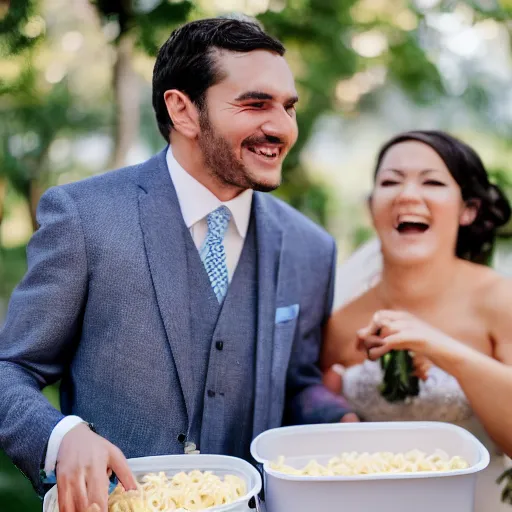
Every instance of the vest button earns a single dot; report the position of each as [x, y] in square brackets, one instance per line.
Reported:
[219, 345]
[181, 438]
[211, 393]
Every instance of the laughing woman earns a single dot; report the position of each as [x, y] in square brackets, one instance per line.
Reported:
[436, 214]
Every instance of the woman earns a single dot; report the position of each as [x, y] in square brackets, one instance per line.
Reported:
[436, 215]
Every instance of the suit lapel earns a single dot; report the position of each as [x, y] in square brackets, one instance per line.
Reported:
[164, 237]
[269, 241]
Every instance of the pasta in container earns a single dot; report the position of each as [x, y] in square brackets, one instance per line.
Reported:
[184, 483]
[355, 464]
[181, 492]
[354, 467]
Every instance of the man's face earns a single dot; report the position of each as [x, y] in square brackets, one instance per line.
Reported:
[248, 124]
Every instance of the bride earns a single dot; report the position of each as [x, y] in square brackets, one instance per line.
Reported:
[436, 214]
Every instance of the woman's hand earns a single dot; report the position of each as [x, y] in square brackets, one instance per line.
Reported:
[421, 365]
[399, 330]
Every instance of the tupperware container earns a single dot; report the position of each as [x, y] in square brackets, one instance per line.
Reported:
[448, 491]
[220, 465]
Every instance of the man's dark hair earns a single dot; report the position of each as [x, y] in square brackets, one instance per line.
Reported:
[187, 62]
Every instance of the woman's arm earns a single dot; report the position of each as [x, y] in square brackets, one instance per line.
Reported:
[486, 382]
[340, 343]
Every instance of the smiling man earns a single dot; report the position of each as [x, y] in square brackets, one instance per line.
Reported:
[181, 306]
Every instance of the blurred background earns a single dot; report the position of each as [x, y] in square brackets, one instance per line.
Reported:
[75, 100]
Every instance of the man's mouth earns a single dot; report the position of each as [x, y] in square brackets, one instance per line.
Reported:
[266, 151]
[411, 224]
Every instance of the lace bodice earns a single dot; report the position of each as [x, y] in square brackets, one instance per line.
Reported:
[440, 397]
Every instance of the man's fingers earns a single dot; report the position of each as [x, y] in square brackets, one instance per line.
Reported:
[80, 494]
[94, 508]
[65, 493]
[97, 489]
[120, 467]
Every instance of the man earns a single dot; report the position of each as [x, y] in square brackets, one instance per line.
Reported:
[180, 306]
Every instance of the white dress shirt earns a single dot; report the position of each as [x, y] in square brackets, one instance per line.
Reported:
[196, 202]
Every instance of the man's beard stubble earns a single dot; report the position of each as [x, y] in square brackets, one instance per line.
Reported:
[219, 158]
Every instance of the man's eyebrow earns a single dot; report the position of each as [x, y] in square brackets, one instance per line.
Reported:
[254, 95]
[264, 96]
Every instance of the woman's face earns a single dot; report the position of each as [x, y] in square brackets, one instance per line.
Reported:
[416, 204]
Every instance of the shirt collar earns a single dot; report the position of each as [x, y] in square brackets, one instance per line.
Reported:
[196, 201]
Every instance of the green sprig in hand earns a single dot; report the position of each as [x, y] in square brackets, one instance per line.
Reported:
[391, 337]
[399, 380]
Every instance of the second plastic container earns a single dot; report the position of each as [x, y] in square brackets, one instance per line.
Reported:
[451, 491]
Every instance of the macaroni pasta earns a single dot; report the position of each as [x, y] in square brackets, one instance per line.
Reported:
[182, 492]
[354, 464]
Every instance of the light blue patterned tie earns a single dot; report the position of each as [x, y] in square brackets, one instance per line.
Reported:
[214, 254]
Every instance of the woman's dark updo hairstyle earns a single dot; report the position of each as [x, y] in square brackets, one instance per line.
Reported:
[474, 242]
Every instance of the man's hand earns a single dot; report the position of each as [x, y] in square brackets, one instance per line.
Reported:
[84, 462]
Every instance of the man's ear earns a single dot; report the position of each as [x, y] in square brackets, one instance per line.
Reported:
[469, 212]
[183, 113]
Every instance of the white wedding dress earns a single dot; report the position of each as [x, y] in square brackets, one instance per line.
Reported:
[440, 397]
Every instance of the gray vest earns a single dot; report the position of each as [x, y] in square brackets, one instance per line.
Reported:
[223, 412]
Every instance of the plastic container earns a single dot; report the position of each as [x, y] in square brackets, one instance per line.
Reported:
[450, 491]
[220, 465]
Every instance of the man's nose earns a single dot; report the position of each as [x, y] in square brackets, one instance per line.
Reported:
[279, 124]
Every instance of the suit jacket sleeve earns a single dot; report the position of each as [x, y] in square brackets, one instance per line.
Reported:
[37, 340]
[308, 401]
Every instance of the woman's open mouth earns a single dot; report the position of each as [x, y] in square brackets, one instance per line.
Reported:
[411, 225]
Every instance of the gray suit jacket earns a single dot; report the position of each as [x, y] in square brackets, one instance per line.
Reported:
[104, 307]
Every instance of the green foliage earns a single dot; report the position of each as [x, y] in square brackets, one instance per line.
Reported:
[154, 27]
[33, 120]
[16, 493]
[151, 27]
[13, 264]
[13, 38]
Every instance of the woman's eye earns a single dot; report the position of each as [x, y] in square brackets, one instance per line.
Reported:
[388, 183]
[434, 183]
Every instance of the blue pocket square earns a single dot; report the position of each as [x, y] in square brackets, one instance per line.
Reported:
[287, 313]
